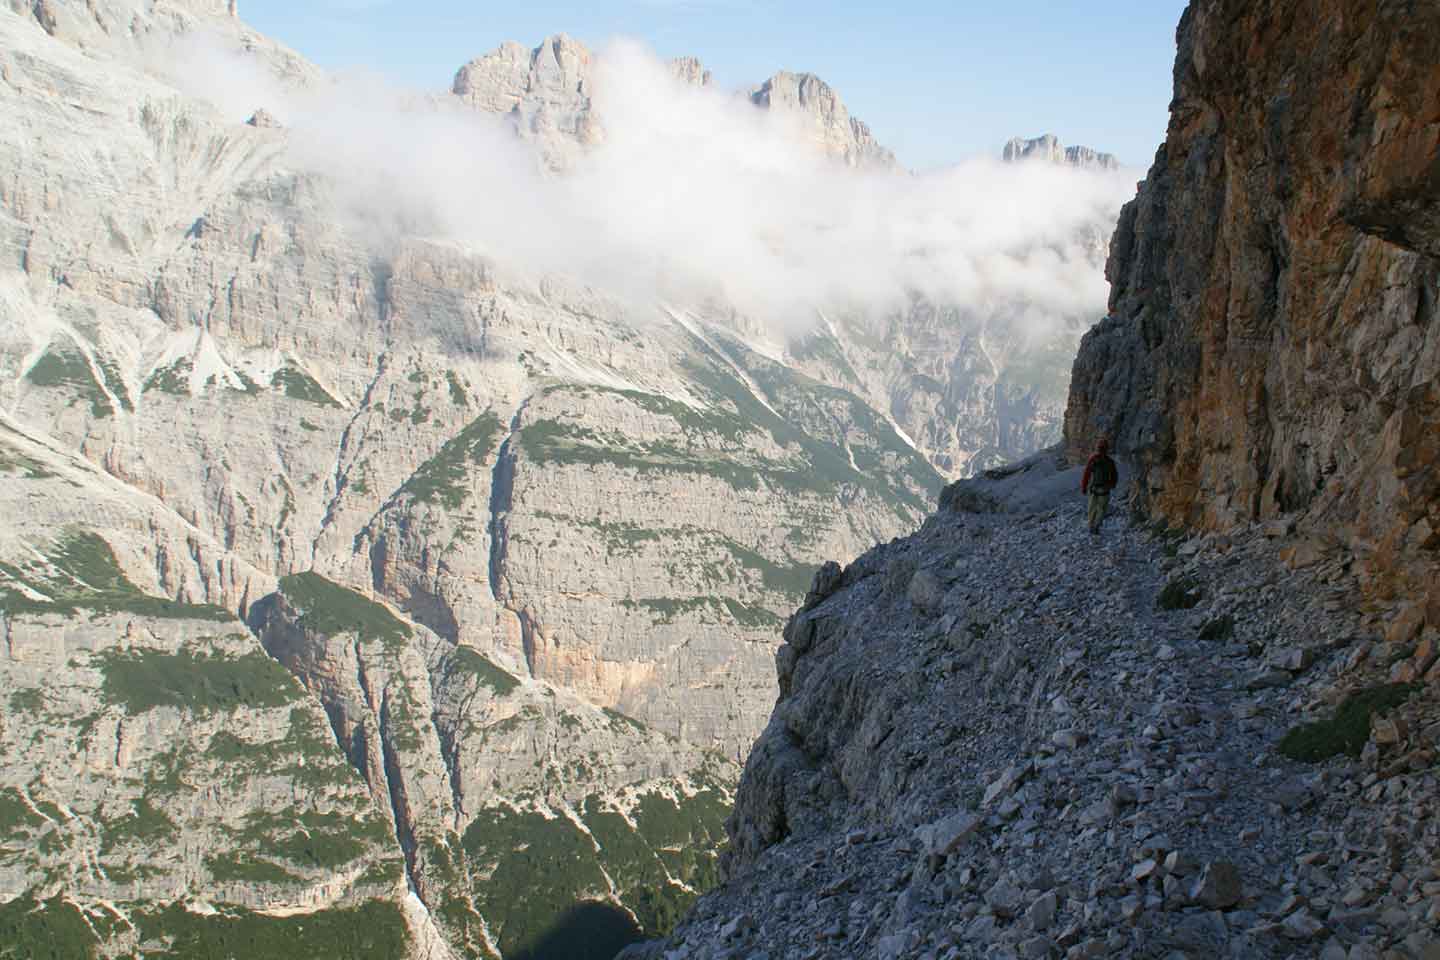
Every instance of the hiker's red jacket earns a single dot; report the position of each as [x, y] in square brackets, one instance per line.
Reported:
[1113, 473]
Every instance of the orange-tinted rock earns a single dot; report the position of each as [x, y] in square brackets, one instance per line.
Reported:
[1405, 625]
[1274, 340]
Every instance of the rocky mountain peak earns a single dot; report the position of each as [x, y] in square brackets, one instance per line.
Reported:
[546, 91]
[1049, 149]
[690, 70]
[828, 122]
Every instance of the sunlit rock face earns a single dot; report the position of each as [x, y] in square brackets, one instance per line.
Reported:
[428, 550]
[1274, 350]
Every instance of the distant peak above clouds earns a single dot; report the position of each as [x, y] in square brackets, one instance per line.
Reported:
[837, 133]
[1048, 148]
[547, 93]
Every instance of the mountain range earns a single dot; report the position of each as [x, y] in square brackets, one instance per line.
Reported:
[365, 594]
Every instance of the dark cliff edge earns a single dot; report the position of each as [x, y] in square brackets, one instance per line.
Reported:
[1213, 730]
[1273, 349]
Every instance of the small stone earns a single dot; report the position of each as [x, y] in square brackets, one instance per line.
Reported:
[1293, 659]
[1219, 886]
[1427, 652]
[1406, 625]
[896, 946]
[1004, 899]
[944, 837]
[1267, 679]
[1248, 835]
[1289, 905]
[1036, 948]
[1066, 739]
[1302, 926]
[1143, 871]
[738, 927]
[926, 592]
[1386, 732]
[1042, 912]
[1334, 950]
[1404, 672]
[1131, 907]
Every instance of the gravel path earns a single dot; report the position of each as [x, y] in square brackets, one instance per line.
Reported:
[996, 742]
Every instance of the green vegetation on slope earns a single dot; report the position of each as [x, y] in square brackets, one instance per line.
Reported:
[467, 660]
[174, 379]
[50, 930]
[808, 415]
[666, 610]
[538, 872]
[81, 572]
[373, 931]
[718, 441]
[329, 609]
[1348, 728]
[299, 385]
[309, 839]
[67, 369]
[141, 680]
[443, 478]
[541, 868]
[57, 929]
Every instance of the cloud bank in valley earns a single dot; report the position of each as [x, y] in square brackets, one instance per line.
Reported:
[693, 192]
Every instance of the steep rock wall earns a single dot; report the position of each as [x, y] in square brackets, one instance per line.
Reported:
[1273, 347]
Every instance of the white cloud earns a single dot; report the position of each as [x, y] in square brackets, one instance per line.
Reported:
[695, 193]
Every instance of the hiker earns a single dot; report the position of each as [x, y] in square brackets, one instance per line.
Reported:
[1101, 476]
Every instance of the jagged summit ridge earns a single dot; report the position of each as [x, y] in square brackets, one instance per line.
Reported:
[547, 91]
[1049, 149]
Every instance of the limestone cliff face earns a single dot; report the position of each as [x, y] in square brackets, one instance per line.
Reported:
[1274, 345]
[577, 527]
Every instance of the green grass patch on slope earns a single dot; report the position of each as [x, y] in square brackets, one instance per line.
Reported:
[52, 929]
[537, 869]
[173, 379]
[329, 609]
[81, 572]
[804, 415]
[718, 441]
[142, 680]
[66, 369]
[309, 839]
[16, 817]
[444, 477]
[467, 660]
[374, 930]
[1348, 728]
[299, 385]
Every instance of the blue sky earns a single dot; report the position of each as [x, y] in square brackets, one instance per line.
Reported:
[936, 81]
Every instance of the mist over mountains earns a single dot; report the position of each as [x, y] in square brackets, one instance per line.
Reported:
[634, 177]
[404, 491]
